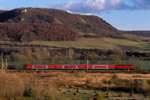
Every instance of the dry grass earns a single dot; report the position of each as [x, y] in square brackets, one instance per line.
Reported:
[95, 80]
[12, 85]
[45, 83]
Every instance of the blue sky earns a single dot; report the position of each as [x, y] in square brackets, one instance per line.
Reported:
[122, 14]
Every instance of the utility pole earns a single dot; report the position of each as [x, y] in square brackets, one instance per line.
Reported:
[6, 64]
[2, 64]
[2, 61]
[87, 64]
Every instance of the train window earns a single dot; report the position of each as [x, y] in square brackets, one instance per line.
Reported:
[58, 66]
[98, 66]
[70, 66]
[51, 66]
[82, 66]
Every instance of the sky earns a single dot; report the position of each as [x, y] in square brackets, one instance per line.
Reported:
[122, 14]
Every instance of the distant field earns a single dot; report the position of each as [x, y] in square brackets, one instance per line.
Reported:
[88, 43]
[97, 43]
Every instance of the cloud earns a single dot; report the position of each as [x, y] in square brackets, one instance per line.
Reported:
[141, 4]
[91, 6]
[97, 6]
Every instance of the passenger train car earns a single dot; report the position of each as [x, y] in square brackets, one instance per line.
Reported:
[79, 67]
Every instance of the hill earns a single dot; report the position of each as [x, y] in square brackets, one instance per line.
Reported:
[29, 24]
[139, 33]
[35, 34]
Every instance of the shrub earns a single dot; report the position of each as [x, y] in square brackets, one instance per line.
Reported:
[137, 63]
[114, 76]
[97, 96]
[145, 86]
[30, 92]
[93, 56]
[88, 82]
[120, 94]
[108, 95]
[114, 59]
[142, 86]
[131, 93]
[18, 57]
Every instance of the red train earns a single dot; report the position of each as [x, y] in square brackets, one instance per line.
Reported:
[79, 66]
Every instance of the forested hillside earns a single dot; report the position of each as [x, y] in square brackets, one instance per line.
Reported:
[29, 24]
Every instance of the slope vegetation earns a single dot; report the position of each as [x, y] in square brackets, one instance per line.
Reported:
[29, 24]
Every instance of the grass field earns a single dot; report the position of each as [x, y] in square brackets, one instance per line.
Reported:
[58, 85]
[88, 43]
[97, 43]
[107, 43]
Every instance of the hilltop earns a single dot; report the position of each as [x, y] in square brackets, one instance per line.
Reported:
[29, 24]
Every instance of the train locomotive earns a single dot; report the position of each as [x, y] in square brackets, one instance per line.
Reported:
[78, 67]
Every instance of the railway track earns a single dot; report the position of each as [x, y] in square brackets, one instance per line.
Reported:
[87, 71]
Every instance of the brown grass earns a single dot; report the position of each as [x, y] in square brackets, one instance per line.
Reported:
[79, 78]
[11, 86]
[45, 83]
